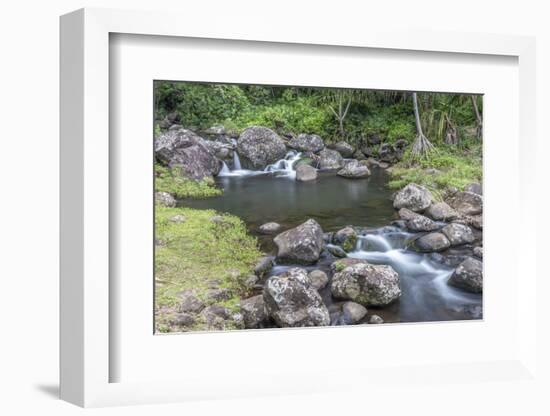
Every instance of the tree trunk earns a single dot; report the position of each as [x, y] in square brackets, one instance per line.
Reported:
[421, 146]
[479, 120]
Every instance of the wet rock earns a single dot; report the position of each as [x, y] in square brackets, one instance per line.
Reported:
[414, 197]
[431, 242]
[466, 203]
[259, 147]
[474, 188]
[186, 152]
[254, 312]
[353, 312]
[270, 228]
[263, 266]
[302, 244]
[478, 252]
[189, 302]
[344, 148]
[336, 251]
[341, 264]
[354, 170]
[367, 284]
[376, 320]
[345, 238]
[330, 159]
[458, 234]
[327, 237]
[416, 222]
[318, 279]
[305, 173]
[441, 211]
[292, 301]
[220, 150]
[165, 199]
[468, 276]
[307, 143]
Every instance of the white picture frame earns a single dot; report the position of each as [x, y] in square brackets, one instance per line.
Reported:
[86, 264]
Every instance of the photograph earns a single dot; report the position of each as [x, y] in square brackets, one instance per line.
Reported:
[291, 206]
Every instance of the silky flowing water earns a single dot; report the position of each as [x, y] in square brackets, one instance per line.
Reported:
[335, 202]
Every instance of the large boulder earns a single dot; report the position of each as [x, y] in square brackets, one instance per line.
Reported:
[367, 284]
[259, 147]
[344, 148]
[468, 276]
[345, 238]
[292, 301]
[254, 312]
[305, 173]
[330, 159]
[188, 152]
[458, 234]
[414, 197]
[441, 211]
[416, 222]
[466, 203]
[431, 242]
[354, 170]
[307, 143]
[302, 244]
[341, 264]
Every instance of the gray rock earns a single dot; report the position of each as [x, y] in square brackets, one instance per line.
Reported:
[217, 295]
[305, 173]
[478, 252]
[458, 234]
[215, 131]
[474, 188]
[177, 219]
[292, 301]
[353, 312]
[341, 264]
[183, 320]
[270, 228]
[387, 153]
[186, 152]
[307, 143]
[259, 147]
[468, 276]
[466, 203]
[416, 222]
[263, 266]
[376, 320]
[302, 244]
[165, 199]
[359, 155]
[345, 238]
[354, 170]
[374, 138]
[251, 281]
[215, 316]
[336, 251]
[318, 279]
[344, 148]
[369, 151]
[330, 159]
[401, 144]
[431, 242]
[414, 197]
[367, 284]
[189, 302]
[254, 312]
[441, 211]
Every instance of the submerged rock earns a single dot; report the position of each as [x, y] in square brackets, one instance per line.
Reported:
[305, 173]
[414, 197]
[354, 170]
[441, 211]
[353, 312]
[270, 228]
[458, 234]
[345, 238]
[165, 199]
[254, 312]
[367, 284]
[431, 242]
[302, 244]
[330, 159]
[468, 276]
[292, 301]
[307, 143]
[466, 203]
[259, 147]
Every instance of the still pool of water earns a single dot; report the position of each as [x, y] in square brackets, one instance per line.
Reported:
[335, 202]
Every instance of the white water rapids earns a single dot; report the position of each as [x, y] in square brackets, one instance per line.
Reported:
[283, 167]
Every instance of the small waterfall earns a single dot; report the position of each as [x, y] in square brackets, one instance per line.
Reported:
[224, 171]
[283, 167]
[236, 161]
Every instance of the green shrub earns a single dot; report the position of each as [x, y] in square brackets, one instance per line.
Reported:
[171, 181]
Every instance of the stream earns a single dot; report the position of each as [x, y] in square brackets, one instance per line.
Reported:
[334, 202]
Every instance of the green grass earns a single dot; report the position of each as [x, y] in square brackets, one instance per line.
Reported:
[456, 167]
[200, 254]
[171, 181]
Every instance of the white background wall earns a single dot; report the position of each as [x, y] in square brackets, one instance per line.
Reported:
[29, 114]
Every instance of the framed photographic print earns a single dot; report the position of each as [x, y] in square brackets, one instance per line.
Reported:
[239, 208]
